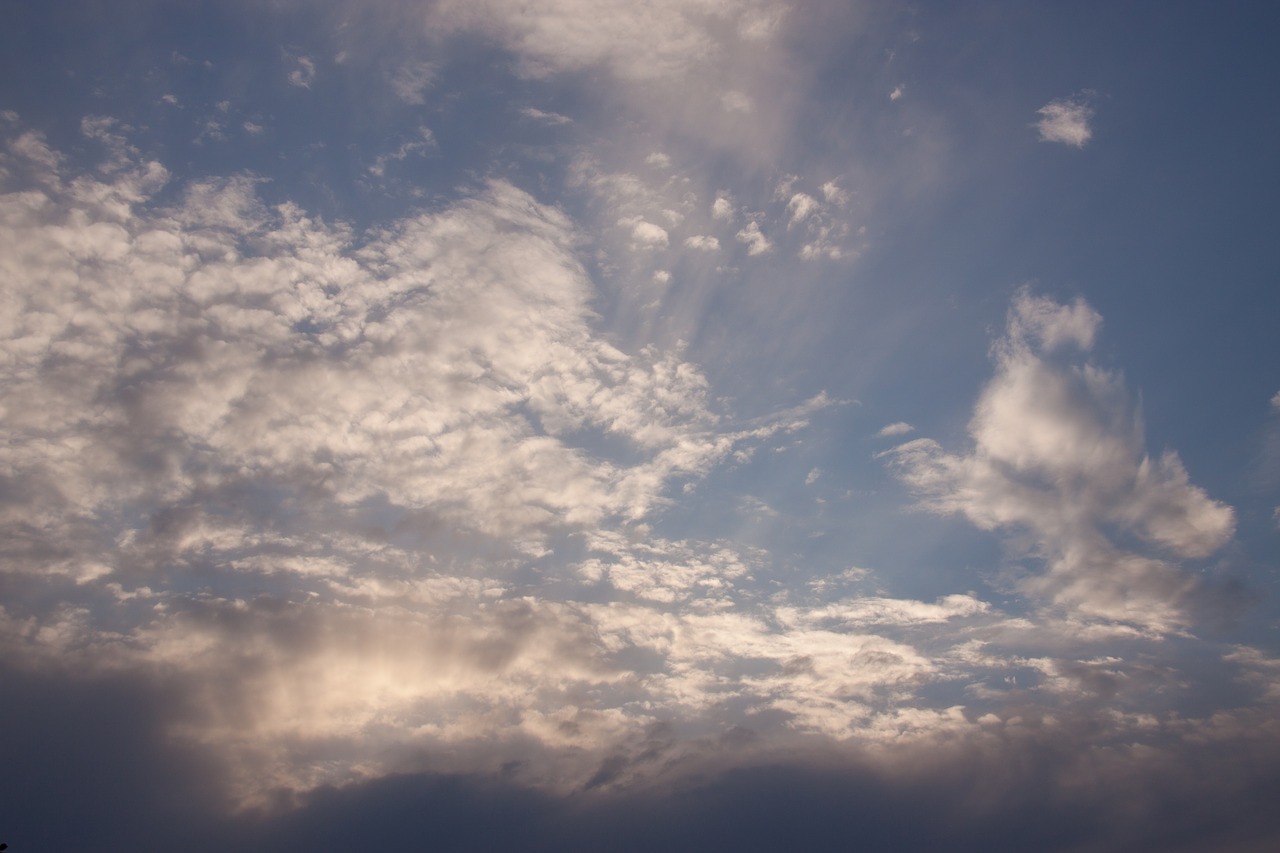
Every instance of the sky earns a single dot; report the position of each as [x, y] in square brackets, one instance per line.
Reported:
[682, 425]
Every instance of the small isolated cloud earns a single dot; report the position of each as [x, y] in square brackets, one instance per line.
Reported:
[722, 208]
[252, 129]
[303, 74]
[1066, 120]
[645, 234]
[171, 100]
[658, 160]
[899, 428]
[1275, 402]
[544, 116]
[813, 476]
[897, 92]
[756, 243]
[703, 243]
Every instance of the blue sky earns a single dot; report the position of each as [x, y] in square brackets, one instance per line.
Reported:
[565, 424]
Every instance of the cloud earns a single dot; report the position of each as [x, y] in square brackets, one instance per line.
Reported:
[646, 234]
[303, 75]
[834, 194]
[661, 40]
[753, 239]
[899, 428]
[702, 243]
[545, 117]
[1058, 452]
[1066, 120]
[722, 208]
[898, 92]
[801, 207]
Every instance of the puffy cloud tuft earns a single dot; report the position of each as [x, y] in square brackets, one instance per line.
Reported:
[1066, 120]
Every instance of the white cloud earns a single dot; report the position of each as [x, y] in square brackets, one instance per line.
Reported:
[755, 241]
[636, 43]
[834, 194]
[1275, 402]
[545, 117]
[1058, 451]
[898, 92]
[658, 160]
[423, 143]
[703, 243]
[722, 208]
[899, 428]
[303, 75]
[645, 234]
[812, 476]
[864, 612]
[1066, 120]
[801, 207]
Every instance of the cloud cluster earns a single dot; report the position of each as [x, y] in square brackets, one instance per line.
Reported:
[352, 504]
[1058, 455]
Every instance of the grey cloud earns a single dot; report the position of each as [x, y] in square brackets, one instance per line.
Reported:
[1029, 787]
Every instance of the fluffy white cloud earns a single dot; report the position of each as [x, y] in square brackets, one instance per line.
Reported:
[754, 239]
[801, 207]
[1066, 120]
[702, 243]
[646, 234]
[899, 428]
[1058, 451]
[835, 194]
